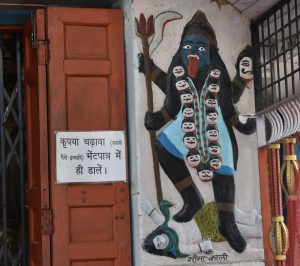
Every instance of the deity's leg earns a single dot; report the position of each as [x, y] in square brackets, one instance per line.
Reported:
[224, 192]
[178, 173]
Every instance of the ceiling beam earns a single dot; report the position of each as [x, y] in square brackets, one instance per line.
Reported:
[75, 3]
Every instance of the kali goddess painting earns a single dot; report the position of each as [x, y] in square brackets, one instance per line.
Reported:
[196, 125]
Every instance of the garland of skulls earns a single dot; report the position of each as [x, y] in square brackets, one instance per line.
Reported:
[200, 120]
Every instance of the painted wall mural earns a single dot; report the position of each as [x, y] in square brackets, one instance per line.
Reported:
[194, 130]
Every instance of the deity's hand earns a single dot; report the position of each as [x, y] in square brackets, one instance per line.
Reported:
[146, 206]
[246, 124]
[154, 121]
[206, 245]
[243, 118]
[141, 63]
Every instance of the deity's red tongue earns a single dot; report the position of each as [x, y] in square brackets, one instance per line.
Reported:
[193, 65]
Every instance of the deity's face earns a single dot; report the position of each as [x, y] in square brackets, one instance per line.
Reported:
[195, 47]
[215, 164]
[214, 150]
[212, 118]
[188, 112]
[211, 103]
[188, 127]
[246, 68]
[194, 160]
[205, 175]
[212, 135]
[190, 142]
[161, 241]
[182, 85]
[178, 71]
[186, 98]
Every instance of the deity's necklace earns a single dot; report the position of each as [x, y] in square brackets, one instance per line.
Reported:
[203, 126]
[200, 133]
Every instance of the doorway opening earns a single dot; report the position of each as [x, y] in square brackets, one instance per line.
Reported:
[13, 225]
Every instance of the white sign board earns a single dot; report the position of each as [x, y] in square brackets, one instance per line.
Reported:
[98, 156]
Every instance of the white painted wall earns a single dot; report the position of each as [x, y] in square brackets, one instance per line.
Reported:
[233, 33]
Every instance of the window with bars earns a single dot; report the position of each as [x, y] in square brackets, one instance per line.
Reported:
[276, 37]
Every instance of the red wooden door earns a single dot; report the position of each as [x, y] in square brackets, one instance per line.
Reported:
[37, 142]
[86, 92]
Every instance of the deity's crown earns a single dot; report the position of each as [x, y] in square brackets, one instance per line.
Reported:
[200, 25]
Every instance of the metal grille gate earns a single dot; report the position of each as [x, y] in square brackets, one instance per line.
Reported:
[13, 243]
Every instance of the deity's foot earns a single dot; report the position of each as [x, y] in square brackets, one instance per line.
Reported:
[192, 203]
[229, 230]
[186, 213]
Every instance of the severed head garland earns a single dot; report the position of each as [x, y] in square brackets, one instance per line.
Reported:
[200, 119]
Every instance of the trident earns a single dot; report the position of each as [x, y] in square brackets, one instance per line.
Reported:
[144, 30]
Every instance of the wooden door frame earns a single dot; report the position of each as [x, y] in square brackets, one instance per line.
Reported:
[42, 128]
[41, 253]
